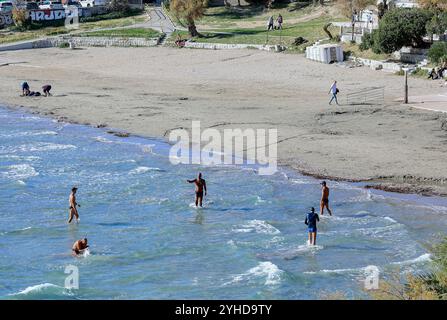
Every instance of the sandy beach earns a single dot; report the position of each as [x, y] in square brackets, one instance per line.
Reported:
[151, 91]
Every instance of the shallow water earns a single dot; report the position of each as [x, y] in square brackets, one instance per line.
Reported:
[148, 242]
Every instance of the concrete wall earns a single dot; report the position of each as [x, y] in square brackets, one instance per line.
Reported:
[224, 46]
[103, 42]
[81, 42]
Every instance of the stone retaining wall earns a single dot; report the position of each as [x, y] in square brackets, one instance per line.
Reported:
[381, 65]
[224, 46]
[81, 42]
[103, 42]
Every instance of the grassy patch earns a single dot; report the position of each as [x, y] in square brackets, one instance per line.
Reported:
[12, 35]
[124, 33]
[311, 30]
[353, 49]
[222, 17]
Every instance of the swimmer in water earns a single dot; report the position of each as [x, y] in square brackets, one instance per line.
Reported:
[79, 246]
[311, 222]
[73, 205]
[324, 199]
[200, 187]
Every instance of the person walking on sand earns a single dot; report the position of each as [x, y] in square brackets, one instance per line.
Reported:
[279, 21]
[46, 90]
[334, 91]
[79, 246]
[73, 205]
[270, 23]
[200, 187]
[311, 222]
[324, 199]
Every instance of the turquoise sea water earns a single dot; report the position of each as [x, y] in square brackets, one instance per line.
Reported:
[148, 242]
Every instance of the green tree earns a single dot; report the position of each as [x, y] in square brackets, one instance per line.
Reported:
[401, 27]
[433, 4]
[438, 52]
[189, 11]
[438, 23]
[119, 5]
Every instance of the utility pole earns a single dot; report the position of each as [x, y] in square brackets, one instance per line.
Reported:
[406, 86]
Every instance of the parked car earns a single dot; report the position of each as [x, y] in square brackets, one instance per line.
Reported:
[6, 6]
[71, 3]
[51, 5]
[87, 3]
[92, 3]
[29, 6]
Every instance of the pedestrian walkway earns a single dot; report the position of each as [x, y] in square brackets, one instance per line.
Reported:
[436, 102]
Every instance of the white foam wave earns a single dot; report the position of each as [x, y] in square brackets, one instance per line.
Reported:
[19, 158]
[258, 226]
[142, 169]
[19, 172]
[390, 219]
[360, 270]
[264, 270]
[422, 258]
[29, 133]
[37, 147]
[41, 288]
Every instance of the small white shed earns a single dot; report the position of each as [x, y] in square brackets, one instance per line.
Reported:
[326, 53]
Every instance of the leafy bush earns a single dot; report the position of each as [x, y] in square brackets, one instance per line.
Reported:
[401, 27]
[438, 23]
[438, 52]
[111, 15]
[367, 41]
[119, 5]
[19, 17]
[428, 286]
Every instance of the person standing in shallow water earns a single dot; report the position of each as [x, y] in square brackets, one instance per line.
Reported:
[324, 198]
[311, 222]
[73, 205]
[200, 187]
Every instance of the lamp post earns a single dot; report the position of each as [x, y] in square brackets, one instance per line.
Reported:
[406, 85]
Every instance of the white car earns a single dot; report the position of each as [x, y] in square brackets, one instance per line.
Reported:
[6, 6]
[51, 5]
[92, 3]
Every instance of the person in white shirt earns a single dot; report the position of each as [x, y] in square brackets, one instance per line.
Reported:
[334, 91]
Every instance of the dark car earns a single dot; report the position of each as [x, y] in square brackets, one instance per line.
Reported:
[28, 6]
[32, 6]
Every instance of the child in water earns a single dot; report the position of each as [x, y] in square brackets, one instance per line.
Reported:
[311, 222]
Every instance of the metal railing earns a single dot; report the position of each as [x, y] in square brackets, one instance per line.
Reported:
[374, 95]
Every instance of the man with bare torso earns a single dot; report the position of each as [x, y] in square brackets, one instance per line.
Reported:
[200, 187]
[79, 246]
[324, 198]
[73, 205]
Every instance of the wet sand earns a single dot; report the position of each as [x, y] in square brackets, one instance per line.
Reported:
[150, 91]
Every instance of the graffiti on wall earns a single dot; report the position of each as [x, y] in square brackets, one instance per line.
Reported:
[50, 15]
[5, 19]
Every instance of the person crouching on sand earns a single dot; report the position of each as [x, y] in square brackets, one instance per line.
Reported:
[79, 246]
[25, 88]
[46, 90]
[200, 186]
[311, 222]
